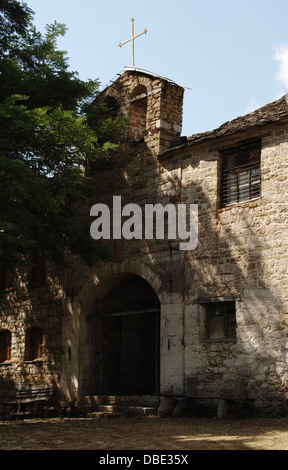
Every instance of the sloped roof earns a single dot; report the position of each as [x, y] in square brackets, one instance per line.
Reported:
[272, 112]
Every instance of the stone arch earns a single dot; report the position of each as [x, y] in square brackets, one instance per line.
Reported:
[100, 334]
[138, 113]
[104, 280]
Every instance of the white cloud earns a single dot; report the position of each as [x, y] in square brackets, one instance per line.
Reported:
[281, 56]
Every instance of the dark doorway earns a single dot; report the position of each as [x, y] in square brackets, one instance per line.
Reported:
[127, 343]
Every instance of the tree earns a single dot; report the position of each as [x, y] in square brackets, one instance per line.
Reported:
[46, 139]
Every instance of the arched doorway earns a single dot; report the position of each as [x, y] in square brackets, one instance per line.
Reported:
[127, 322]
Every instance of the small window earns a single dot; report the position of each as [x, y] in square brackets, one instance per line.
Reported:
[220, 320]
[34, 343]
[6, 279]
[5, 346]
[241, 173]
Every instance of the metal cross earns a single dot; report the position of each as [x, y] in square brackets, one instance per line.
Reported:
[132, 39]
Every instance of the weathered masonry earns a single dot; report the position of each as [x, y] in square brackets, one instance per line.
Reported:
[155, 319]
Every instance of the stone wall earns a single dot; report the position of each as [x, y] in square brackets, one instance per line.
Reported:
[242, 254]
[22, 309]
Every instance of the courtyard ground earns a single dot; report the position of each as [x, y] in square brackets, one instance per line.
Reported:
[149, 433]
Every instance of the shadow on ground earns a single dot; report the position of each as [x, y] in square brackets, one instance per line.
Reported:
[151, 433]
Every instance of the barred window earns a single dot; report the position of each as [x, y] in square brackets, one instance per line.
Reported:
[241, 173]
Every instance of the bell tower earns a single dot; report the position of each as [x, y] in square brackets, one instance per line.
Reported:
[152, 104]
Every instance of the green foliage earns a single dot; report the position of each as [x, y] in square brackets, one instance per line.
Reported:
[49, 132]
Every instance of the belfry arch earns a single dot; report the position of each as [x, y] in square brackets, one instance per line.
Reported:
[120, 336]
[138, 113]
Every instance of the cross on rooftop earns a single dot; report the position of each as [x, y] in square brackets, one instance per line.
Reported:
[132, 40]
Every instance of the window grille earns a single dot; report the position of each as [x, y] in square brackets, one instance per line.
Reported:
[241, 174]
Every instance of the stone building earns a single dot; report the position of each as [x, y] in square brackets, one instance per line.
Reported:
[158, 319]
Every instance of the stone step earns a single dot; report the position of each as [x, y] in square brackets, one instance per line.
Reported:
[97, 406]
[136, 400]
[95, 400]
[127, 410]
[102, 415]
[115, 411]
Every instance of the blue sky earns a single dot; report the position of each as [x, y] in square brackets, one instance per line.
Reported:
[230, 56]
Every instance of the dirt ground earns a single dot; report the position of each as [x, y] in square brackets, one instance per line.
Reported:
[149, 433]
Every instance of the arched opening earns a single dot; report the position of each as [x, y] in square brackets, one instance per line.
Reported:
[138, 113]
[127, 336]
[112, 107]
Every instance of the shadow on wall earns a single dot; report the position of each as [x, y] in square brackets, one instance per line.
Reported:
[34, 318]
[230, 262]
[234, 259]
